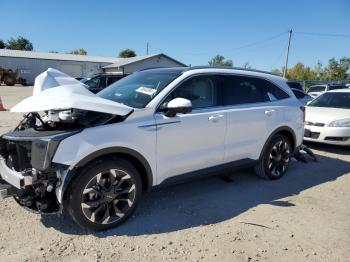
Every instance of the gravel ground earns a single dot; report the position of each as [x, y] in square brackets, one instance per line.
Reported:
[302, 217]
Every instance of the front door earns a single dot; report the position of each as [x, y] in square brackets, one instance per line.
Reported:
[193, 141]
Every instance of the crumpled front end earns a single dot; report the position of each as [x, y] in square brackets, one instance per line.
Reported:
[26, 168]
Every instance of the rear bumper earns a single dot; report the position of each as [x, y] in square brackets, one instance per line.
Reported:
[12, 177]
[329, 135]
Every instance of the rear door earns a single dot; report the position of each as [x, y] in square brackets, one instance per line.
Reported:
[253, 111]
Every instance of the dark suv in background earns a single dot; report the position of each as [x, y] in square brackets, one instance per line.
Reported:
[98, 82]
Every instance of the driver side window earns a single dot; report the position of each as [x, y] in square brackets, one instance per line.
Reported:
[202, 91]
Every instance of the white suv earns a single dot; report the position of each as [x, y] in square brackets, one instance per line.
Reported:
[95, 155]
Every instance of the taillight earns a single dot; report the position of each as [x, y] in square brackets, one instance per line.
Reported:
[302, 108]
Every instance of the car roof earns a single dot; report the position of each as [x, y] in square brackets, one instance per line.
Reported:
[344, 90]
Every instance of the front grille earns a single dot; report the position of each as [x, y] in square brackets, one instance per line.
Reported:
[333, 138]
[19, 155]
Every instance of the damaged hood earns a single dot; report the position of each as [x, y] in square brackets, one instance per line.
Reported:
[54, 90]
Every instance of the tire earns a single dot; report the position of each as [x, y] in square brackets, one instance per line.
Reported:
[104, 194]
[275, 158]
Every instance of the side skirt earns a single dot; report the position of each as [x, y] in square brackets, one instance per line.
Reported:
[210, 171]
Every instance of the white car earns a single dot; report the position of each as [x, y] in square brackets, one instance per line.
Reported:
[327, 118]
[95, 155]
[317, 90]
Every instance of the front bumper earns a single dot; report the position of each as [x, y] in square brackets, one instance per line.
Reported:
[12, 177]
[328, 135]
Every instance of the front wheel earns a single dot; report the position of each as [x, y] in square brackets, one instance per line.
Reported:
[104, 194]
[275, 159]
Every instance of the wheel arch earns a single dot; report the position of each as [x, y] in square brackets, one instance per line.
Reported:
[283, 130]
[134, 157]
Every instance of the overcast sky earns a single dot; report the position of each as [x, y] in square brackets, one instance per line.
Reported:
[190, 31]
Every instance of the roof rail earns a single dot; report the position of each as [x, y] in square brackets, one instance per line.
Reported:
[228, 67]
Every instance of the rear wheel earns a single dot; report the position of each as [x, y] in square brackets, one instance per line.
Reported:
[104, 194]
[275, 159]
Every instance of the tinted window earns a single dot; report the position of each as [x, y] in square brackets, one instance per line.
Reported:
[295, 85]
[317, 89]
[273, 90]
[298, 94]
[245, 90]
[93, 83]
[335, 100]
[112, 79]
[202, 91]
[336, 87]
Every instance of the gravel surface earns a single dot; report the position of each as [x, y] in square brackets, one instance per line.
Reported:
[302, 217]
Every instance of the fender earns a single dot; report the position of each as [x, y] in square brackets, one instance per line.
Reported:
[281, 128]
[68, 176]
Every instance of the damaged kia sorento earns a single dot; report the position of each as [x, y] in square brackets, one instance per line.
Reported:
[93, 155]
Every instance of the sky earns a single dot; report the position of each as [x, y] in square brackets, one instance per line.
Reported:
[192, 32]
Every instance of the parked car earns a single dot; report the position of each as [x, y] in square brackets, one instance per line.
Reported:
[316, 90]
[295, 85]
[98, 82]
[327, 118]
[303, 97]
[94, 156]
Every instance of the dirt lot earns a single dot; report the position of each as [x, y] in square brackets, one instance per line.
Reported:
[302, 217]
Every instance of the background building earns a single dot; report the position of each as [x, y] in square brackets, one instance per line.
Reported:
[30, 64]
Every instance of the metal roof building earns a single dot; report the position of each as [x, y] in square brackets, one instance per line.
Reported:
[30, 64]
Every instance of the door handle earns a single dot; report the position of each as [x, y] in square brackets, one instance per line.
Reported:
[269, 112]
[215, 118]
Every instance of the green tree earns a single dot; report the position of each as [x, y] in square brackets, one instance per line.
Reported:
[127, 53]
[300, 72]
[79, 51]
[219, 60]
[20, 43]
[2, 44]
[337, 70]
[53, 52]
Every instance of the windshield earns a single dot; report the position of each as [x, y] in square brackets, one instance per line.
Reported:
[138, 89]
[316, 89]
[335, 100]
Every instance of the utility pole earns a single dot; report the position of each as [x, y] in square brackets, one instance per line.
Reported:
[147, 48]
[287, 55]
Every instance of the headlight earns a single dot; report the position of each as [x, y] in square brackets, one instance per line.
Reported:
[340, 123]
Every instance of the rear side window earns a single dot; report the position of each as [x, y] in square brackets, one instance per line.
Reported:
[246, 90]
[298, 94]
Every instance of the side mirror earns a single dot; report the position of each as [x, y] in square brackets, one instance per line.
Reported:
[178, 106]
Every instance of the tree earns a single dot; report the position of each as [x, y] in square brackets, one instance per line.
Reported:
[20, 43]
[2, 44]
[277, 72]
[53, 52]
[219, 60]
[246, 65]
[300, 72]
[79, 51]
[127, 53]
[337, 70]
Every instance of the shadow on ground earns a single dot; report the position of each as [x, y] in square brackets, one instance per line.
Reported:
[212, 200]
